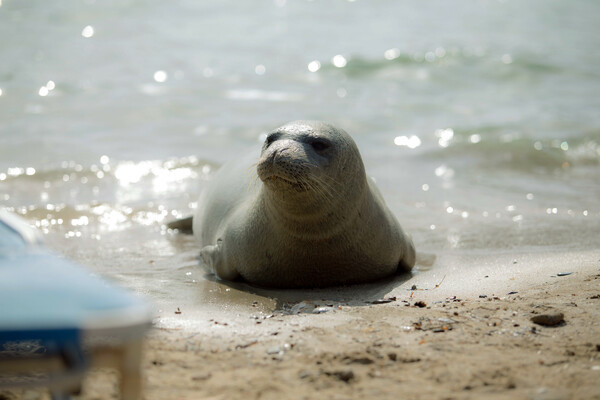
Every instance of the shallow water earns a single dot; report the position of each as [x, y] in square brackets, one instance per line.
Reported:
[479, 121]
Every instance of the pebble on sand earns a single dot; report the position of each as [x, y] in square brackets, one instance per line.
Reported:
[343, 375]
[549, 319]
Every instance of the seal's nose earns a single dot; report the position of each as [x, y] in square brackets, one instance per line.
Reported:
[280, 150]
[271, 156]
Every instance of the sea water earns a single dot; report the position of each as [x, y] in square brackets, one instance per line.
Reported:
[479, 120]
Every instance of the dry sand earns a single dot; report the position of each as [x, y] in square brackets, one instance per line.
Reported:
[422, 345]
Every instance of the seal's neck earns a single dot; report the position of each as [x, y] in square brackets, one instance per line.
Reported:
[315, 213]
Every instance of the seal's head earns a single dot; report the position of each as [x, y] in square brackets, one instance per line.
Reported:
[309, 159]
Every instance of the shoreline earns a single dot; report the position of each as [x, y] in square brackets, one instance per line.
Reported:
[465, 276]
[430, 347]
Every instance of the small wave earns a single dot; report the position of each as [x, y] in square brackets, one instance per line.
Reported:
[256, 94]
[492, 148]
[490, 65]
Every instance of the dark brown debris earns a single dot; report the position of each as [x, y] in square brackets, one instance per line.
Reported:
[548, 319]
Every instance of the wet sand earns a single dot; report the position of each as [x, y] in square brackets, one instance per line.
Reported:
[421, 343]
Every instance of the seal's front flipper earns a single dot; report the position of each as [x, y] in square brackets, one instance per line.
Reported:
[183, 225]
[214, 262]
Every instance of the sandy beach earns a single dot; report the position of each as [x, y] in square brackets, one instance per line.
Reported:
[413, 343]
[478, 121]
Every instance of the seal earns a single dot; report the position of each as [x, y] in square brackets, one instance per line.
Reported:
[309, 217]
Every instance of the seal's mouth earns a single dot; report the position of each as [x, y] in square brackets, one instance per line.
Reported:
[276, 178]
[283, 169]
[280, 182]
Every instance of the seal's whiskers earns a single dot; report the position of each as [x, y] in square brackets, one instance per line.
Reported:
[317, 189]
[327, 185]
[252, 178]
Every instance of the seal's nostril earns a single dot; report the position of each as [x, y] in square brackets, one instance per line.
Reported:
[272, 156]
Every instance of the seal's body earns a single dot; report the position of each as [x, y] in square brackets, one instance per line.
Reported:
[312, 219]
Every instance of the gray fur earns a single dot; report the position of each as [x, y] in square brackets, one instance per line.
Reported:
[310, 219]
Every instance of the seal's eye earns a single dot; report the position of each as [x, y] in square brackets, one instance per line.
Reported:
[271, 137]
[320, 144]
